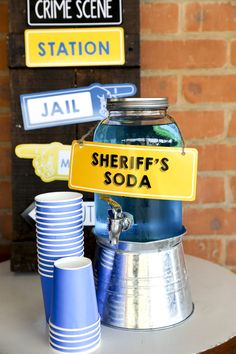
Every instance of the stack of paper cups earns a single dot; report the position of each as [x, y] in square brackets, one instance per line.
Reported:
[59, 227]
[74, 325]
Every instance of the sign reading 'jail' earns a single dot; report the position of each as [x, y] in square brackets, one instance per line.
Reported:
[74, 12]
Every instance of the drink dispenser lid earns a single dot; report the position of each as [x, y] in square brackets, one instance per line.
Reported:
[137, 103]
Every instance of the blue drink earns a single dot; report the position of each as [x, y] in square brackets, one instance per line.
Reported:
[153, 219]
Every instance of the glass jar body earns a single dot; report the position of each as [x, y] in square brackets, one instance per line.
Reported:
[153, 219]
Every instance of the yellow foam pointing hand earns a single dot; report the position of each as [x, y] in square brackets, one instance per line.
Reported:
[50, 161]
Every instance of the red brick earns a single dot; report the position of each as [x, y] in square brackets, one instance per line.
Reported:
[210, 16]
[233, 53]
[4, 92]
[159, 18]
[232, 125]
[3, 56]
[6, 226]
[5, 161]
[183, 54]
[208, 89]
[233, 188]
[209, 221]
[5, 193]
[210, 249]
[210, 190]
[159, 86]
[200, 124]
[217, 157]
[5, 130]
[231, 252]
[3, 18]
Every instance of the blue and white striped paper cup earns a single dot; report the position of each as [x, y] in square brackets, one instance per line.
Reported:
[58, 226]
[54, 257]
[61, 198]
[58, 205]
[76, 340]
[59, 209]
[86, 349]
[59, 231]
[78, 217]
[59, 245]
[60, 252]
[58, 216]
[54, 235]
[60, 240]
[80, 334]
[46, 285]
[75, 332]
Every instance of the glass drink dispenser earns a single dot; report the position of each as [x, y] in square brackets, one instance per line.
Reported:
[140, 122]
[139, 268]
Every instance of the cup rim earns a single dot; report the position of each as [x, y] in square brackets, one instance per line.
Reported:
[60, 239]
[61, 223]
[45, 260]
[73, 263]
[80, 242]
[79, 214]
[59, 212]
[75, 335]
[60, 229]
[53, 250]
[62, 255]
[45, 270]
[77, 341]
[45, 265]
[44, 197]
[74, 329]
[45, 275]
[63, 206]
[91, 348]
[61, 233]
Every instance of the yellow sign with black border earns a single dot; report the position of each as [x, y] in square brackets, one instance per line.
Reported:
[74, 47]
[134, 171]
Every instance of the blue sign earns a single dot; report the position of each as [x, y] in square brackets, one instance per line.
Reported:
[70, 106]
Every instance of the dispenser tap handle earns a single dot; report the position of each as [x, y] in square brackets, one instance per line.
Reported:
[112, 203]
[118, 220]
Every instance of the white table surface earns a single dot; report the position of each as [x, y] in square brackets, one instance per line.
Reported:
[23, 329]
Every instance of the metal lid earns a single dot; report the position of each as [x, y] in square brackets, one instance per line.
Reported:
[137, 103]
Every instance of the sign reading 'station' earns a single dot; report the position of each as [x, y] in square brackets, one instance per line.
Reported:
[74, 12]
[132, 171]
[74, 47]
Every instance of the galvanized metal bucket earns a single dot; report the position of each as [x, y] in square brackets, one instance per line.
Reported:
[142, 285]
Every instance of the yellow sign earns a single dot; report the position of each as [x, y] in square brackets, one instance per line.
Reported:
[51, 161]
[74, 47]
[134, 171]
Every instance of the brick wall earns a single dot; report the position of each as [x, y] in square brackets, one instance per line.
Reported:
[5, 139]
[188, 52]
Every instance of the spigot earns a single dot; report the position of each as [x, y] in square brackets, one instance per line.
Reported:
[118, 220]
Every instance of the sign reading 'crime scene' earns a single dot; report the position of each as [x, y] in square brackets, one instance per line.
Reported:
[132, 171]
[74, 47]
[74, 12]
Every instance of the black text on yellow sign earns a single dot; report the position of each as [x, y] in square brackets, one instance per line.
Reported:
[134, 171]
